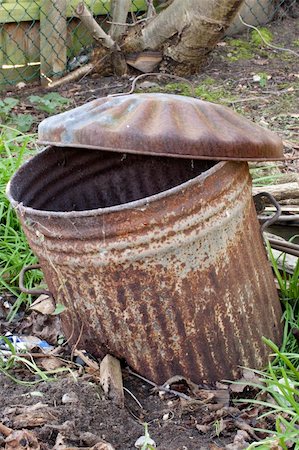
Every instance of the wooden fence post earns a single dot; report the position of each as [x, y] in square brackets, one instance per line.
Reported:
[53, 35]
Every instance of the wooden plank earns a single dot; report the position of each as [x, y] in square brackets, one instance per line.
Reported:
[59, 36]
[45, 42]
[9, 77]
[14, 37]
[20, 10]
[53, 29]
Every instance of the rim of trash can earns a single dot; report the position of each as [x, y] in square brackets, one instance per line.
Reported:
[110, 209]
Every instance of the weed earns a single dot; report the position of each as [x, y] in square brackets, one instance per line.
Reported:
[205, 91]
[51, 103]
[261, 37]
[266, 175]
[15, 252]
[280, 387]
[10, 360]
[289, 293]
[240, 49]
[263, 78]
[6, 106]
[22, 122]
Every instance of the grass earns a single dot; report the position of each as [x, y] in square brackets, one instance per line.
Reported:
[10, 360]
[15, 252]
[208, 90]
[280, 382]
[279, 385]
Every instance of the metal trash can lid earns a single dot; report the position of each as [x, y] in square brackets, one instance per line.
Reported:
[161, 124]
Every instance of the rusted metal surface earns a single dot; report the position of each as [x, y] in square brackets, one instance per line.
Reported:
[161, 124]
[169, 272]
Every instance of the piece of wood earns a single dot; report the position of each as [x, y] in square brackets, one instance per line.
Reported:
[59, 36]
[73, 76]
[93, 27]
[280, 191]
[5, 430]
[111, 379]
[53, 30]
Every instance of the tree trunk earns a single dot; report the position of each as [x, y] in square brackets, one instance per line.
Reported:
[186, 31]
[182, 35]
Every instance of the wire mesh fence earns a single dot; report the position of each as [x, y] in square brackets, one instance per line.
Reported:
[43, 38]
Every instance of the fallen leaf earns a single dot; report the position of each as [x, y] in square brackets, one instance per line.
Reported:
[248, 378]
[30, 416]
[50, 363]
[203, 428]
[240, 442]
[44, 304]
[46, 327]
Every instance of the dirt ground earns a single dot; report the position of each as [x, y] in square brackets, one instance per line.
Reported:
[228, 78]
[87, 415]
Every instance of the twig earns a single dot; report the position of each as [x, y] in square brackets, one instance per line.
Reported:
[77, 341]
[88, 361]
[265, 42]
[151, 383]
[128, 24]
[160, 388]
[133, 396]
[92, 25]
[73, 76]
[158, 74]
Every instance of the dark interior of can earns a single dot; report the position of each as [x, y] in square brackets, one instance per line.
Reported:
[72, 179]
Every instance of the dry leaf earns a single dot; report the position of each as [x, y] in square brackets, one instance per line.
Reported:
[203, 428]
[249, 377]
[240, 441]
[31, 416]
[44, 304]
[50, 363]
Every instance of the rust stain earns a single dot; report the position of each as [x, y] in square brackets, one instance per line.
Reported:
[160, 260]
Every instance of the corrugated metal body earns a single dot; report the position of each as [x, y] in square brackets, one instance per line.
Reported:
[172, 278]
[161, 124]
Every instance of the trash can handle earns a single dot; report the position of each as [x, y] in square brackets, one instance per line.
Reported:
[31, 291]
[258, 201]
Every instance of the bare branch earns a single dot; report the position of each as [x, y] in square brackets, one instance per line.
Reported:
[151, 10]
[91, 24]
[73, 76]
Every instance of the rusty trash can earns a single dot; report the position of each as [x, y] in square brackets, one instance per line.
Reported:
[140, 211]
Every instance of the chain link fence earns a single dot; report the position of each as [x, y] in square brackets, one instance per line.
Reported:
[43, 38]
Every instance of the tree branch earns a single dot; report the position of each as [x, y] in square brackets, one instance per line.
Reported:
[91, 24]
